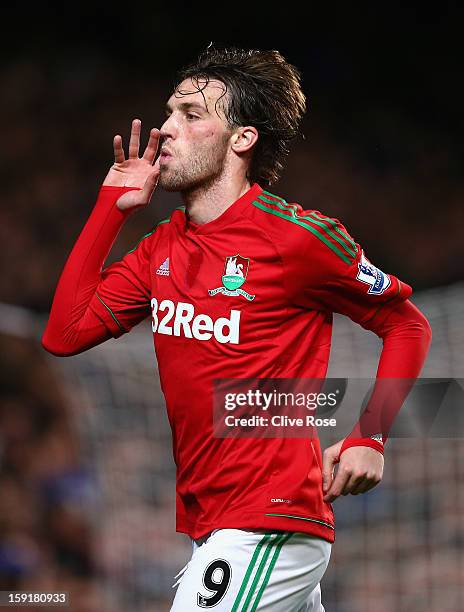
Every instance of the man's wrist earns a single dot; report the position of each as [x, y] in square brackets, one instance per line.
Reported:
[110, 194]
[115, 188]
[375, 442]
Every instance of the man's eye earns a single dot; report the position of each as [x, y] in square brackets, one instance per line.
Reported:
[191, 116]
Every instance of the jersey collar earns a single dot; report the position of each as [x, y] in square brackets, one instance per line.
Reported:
[228, 216]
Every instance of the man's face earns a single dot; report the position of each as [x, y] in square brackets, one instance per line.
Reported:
[195, 138]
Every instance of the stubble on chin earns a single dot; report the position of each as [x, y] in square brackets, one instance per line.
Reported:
[197, 172]
[171, 180]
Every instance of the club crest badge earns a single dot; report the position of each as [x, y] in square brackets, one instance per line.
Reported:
[235, 274]
[367, 273]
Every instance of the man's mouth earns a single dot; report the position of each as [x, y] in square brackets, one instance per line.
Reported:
[165, 155]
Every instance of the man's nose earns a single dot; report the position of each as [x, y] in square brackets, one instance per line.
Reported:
[168, 129]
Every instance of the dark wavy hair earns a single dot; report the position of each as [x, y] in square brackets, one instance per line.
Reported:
[261, 89]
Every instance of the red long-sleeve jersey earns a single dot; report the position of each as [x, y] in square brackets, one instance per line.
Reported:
[250, 294]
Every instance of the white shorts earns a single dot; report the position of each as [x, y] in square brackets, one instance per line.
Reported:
[235, 570]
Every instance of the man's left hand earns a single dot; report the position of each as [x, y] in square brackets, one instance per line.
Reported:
[360, 469]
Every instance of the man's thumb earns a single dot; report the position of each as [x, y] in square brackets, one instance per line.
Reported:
[329, 462]
[150, 184]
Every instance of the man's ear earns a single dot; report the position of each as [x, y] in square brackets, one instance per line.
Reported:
[244, 139]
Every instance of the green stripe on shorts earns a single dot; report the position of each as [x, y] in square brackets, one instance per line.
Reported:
[269, 570]
[271, 543]
[251, 565]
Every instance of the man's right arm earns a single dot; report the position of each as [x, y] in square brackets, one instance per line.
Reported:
[79, 317]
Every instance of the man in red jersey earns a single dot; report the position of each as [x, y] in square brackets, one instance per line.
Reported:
[238, 284]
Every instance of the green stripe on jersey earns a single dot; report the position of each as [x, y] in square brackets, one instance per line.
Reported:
[323, 218]
[316, 220]
[306, 226]
[303, 518]
[142, 238]
[343, 234]
[167, 220]
[111, 312]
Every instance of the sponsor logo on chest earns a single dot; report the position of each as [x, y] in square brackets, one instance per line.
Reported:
[180, 319]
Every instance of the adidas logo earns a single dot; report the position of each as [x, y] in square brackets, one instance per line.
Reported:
[163, 270]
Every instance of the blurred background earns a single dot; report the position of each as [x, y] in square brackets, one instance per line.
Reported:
[86, 471]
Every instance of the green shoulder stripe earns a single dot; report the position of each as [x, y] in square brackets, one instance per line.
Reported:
[323, 222]
[142, 238]
[293, 219]
[167, 220]
[336, 228]
[321, 217]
